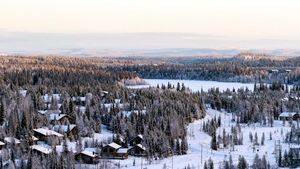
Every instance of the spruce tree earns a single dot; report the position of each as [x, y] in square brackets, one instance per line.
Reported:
[242, 164]
[1, 113]
[214, 141]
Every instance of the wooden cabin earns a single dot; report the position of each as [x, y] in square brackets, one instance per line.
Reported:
[137, 140]
[44, 135]
[289, 116]
[110, 150]
[137, 150]
[87, 156]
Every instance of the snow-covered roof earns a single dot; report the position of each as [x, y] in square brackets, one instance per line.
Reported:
[106, 92]
[122, 150]
[287, 114]
[128, 113]
[54, 116]
[34, 138]
[47, 132]
[295, 97]
[43, 148]
[11, 140]
[1, 143]
[140, 136]
[64, 128]
[81, 109]
[141, 146]
[23, 92]
[58, 105]
[114, 145]
[82, 99]
[117, 101]
[48, 98]
[89, 152]
[43, 112]
[108, 105]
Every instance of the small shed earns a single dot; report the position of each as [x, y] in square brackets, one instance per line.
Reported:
[289, 116]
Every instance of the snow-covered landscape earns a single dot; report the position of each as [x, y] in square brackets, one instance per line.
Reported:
[200, 151]
[157, 84]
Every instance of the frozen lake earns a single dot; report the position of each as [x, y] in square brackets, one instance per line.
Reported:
[195, 85]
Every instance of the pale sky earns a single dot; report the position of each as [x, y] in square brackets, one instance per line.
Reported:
[249, 19]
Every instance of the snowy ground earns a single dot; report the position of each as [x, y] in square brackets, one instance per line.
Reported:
[195, 85]
[199, 140]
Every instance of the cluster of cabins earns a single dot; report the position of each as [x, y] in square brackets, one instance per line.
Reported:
[45, 138]
[117, 149]
[48, 137]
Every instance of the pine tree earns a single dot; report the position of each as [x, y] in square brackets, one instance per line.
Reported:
[205, 165]
[1, 113]
[242, 164]
[226, 165]
[250, 136]
[256, 162]
[255, 139]
[279, 159]
[231, 162]
[264, 162]
[263, 139]
[210, 163]
[213, 144]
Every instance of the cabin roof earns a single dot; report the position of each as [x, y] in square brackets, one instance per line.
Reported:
[141, 146]
[43, 112]
[43, 148]
[34, 138]
[1, 143]
[287, 114]
[47, 132]
[82, 99]
[11, 140]
[114, 145]
[140, 136]
[91, 152]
